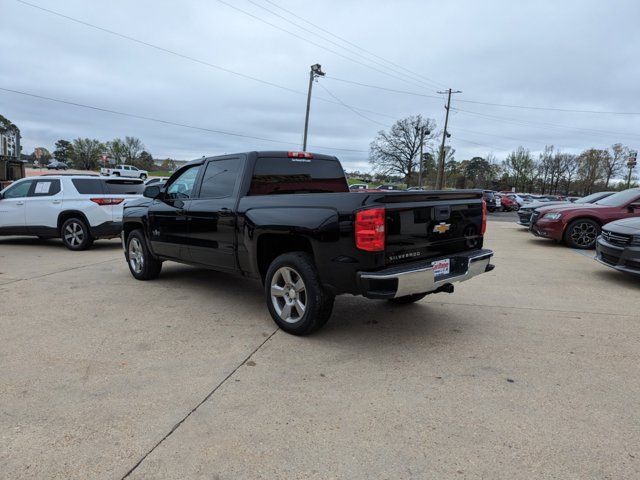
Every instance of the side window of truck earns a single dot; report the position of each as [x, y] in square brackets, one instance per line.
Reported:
[182, 187]
[220, 177]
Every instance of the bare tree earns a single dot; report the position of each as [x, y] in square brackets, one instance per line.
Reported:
[520, 168]
[614, 163]
[569, 165]
[116, 149]
[397, 151]
[132, 148]
[591, 168]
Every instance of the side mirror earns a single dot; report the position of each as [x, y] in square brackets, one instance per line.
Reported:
[634, 206]
[152, 191]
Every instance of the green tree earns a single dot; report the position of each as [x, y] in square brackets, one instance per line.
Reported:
[86, 153]
[63, 153]
[519, 168]
[591, 168]
[145, 161]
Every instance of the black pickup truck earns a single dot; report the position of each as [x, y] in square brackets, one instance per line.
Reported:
[289, 220]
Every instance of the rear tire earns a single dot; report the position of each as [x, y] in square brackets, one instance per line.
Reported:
[407, 299]
[143, 177]
[582, 234]
[115, 174]
[75, 234]
[296, 299]
[142, 265]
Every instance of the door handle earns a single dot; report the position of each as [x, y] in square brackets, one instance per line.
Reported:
[56, 202]
[19, 203]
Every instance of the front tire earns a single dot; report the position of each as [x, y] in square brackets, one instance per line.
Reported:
[75, 234]
[407, 299]
[582, 234]
[143, 177]
[142, 265]
[296, 299]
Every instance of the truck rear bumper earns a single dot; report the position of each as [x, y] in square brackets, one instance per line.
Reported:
[419, 277]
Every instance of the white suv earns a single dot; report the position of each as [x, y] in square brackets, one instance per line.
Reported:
[76, 208]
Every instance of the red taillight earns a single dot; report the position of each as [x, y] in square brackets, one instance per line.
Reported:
[370, 229]
[300, 155]
[484, 217]
[107, 201]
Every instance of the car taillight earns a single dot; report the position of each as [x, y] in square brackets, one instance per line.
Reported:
[107, 201]
[370, 229]
[300, 155]
[484, 218]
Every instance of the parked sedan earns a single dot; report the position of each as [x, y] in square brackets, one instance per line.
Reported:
[579, 225]
[525, 213]
[56, 165]
[619, 245]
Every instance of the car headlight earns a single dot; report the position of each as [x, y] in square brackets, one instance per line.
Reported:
[552, 216]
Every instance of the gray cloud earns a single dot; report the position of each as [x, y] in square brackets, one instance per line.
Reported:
[570, 54]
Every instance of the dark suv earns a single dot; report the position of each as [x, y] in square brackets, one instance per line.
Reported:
[618, 245]
[490, 198]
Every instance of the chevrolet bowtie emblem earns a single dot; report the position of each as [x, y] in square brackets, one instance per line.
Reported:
[441, 227]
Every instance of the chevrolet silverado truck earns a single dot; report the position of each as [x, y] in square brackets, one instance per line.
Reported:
[289, 220]
[128, 171]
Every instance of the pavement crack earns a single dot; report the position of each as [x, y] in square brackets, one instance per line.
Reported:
[207, 397]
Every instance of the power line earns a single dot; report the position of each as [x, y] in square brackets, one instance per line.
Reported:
[167, 122]
[304, 39]
[546, 125]
[430, 83]
[357, 46]
[188, 57]
[351, 109]
[528, 107]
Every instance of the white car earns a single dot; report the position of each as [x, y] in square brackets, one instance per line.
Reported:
[128, 171]
[76, 208]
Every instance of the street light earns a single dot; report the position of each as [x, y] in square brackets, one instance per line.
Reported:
[316, 71]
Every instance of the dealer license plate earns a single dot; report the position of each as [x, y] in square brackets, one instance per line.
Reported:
[440, 267]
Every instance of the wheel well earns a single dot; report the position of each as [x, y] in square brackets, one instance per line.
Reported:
[271, 246]
[130, 227]
[64, 216]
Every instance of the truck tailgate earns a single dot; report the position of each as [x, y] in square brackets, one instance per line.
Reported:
[434, 224]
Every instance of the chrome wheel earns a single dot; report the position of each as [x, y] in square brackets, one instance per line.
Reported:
[136, 255]
[288, 294]
[584, 234]
[74, 234]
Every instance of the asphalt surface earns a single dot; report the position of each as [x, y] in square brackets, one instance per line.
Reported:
[530, 371]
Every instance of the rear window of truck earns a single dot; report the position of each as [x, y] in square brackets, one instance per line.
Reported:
[295, 175]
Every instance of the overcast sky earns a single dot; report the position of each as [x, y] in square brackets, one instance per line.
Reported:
[576, 55]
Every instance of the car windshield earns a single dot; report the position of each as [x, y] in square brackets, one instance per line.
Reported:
[620, 199]
[594, 197]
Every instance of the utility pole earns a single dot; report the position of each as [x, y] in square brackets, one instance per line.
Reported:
[631, 163]
[316, 71]
[422, 130]
[445, 134]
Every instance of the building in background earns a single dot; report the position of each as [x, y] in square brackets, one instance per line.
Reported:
[11, 166]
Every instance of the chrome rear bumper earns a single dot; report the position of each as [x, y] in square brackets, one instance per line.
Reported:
[419, 277]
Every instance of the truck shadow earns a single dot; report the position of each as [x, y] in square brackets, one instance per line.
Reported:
[354, 320]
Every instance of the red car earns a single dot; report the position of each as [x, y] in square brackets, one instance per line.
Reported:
[579, 225]
[507, 201]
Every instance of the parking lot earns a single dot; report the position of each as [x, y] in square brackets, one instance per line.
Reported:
[530, 371]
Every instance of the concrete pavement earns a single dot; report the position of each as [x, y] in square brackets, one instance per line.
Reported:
[528, 372]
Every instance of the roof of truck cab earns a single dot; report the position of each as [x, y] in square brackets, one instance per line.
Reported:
[262, 154]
